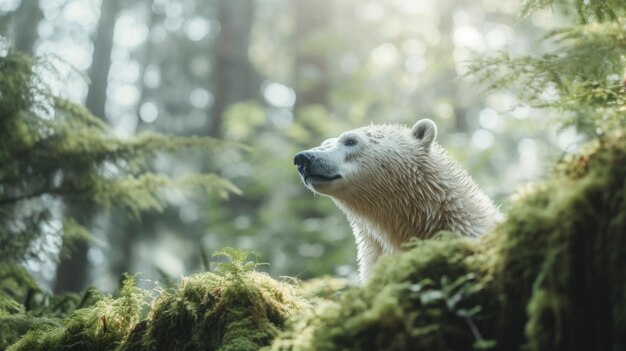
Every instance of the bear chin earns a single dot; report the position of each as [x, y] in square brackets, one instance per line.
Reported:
[317, 182]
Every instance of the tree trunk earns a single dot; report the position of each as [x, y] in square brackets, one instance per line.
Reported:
[311, 16]
[449, 85]
[70, 277]
[234, 78]
[72, 273]
[99, 71]
[124, 240]
[25, 23]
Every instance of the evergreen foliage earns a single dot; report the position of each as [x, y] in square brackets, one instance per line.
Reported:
[587, 11]
[100, 327]
[54, 152]
[582, 75]
[233, 308]
[53, 149]
[36, 308]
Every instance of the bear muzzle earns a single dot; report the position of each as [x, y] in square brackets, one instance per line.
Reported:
[303, 161]
[312, 170]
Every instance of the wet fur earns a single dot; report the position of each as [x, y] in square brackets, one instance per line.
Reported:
[408, 187]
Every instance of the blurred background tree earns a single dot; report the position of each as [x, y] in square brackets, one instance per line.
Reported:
[59, 161]
[280, 76]
[581, 75]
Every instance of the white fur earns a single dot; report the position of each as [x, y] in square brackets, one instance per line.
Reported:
[396, 184]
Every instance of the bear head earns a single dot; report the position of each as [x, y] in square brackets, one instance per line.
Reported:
[365, 160]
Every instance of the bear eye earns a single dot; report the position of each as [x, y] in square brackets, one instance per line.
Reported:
[349, 142]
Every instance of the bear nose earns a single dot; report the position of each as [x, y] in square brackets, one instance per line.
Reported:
[303, 160]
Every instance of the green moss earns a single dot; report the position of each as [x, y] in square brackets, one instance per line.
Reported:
[551, 277]
[11, 327]
[561, 257]
[431, 297]
[36, 308]
[99, 327]
[235, 308]
[214, 312]
[326, 287]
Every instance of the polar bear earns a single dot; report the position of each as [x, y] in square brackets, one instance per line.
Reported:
[394, 184]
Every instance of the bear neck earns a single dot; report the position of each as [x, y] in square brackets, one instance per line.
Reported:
[417, 202]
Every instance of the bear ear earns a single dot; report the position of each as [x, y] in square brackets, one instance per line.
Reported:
[425, 130]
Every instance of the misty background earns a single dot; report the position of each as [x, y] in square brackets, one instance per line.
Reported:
[279, 76]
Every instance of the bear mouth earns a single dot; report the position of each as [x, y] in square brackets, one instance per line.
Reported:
[320, 178]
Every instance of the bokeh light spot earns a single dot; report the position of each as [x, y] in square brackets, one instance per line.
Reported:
[278, 95]
[385, 55]
[201, 98]
[148, 112]
[129, 33]
[482, 139]
[197, 28]
[489, 119]
[152, 76]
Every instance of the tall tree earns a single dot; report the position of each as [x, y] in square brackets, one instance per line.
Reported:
[101, 63]
[25, 23]
[234, 77]
[449, 85]
[311, 74]
[127, 230]
[72, 270]
[52, 150]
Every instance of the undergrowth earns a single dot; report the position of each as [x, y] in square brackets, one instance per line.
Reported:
[550, 277]
[233, 308]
